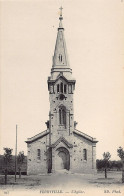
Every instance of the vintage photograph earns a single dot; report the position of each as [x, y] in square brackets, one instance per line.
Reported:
[62, 97]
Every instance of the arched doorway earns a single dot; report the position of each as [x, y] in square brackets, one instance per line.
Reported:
[62, 159]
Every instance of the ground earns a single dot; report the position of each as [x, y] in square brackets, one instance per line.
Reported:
[64, 182]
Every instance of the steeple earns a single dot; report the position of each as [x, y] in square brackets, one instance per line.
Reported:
[60, 58]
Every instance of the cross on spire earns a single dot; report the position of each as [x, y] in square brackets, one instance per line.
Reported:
[60, 18]
[61, 8]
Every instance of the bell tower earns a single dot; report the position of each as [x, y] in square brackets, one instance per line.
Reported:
[61, 87]
[61, 146]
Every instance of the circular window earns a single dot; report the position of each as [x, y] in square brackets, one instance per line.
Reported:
[61, 97]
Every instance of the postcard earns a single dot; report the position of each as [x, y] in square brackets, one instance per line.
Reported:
[62, 97]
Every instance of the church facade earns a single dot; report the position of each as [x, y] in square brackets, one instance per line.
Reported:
[61, 146]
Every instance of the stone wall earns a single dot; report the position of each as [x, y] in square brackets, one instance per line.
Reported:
[77, 162]
[36, 165]
[58, 130]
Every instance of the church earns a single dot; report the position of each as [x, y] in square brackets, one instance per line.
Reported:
[61, 146]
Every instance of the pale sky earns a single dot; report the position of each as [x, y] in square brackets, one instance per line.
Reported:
[94, 33]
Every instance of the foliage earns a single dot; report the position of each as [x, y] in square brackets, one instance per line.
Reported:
[21, 157]
[120, 152]
[7, 155]
[110, 165]
[106, 156]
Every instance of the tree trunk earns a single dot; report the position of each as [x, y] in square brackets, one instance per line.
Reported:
[105, 172]
[19, 172]
[123, 170]
[5, 176]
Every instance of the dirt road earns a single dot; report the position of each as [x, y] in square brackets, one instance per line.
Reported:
[64, 182]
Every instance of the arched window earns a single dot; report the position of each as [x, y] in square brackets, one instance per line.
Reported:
[64, 88]
[85, 154]
[62, 116]
[60, 57]
[57, 88]
[38, 154]
[59, 116]
[51, 88]
[70, 88]
[61, 87]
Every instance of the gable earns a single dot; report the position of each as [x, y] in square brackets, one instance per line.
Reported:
[85, 136]
[37, 137]
[62, 78]
[63, 140]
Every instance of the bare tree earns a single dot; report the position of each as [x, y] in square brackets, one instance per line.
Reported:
[106, 157]
[7, 159]
[120, 152]
[20, 159]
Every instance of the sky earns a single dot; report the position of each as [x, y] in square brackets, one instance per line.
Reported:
[95, 43]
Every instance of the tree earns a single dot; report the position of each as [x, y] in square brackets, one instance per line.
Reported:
[106, 157]
[112, 164]
[7, 159]
[20, 160]
[120, 152]
[100, 164]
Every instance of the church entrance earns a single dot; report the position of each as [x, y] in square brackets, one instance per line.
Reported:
[62, 159]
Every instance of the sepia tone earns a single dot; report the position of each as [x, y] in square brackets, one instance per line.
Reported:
[62, 159]
[61, 146]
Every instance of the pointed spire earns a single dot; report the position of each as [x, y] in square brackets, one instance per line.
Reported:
[60, 58]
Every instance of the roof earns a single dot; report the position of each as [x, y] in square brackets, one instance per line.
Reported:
[60, 57]
[61, 139]
[38, 136]
[85, 136]
[59, 77]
